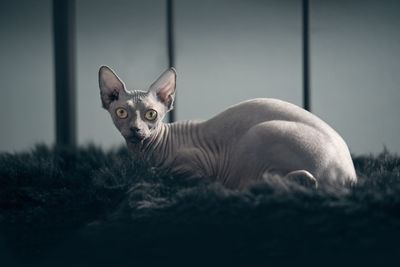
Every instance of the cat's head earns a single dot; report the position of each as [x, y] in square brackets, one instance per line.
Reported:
[137, 114]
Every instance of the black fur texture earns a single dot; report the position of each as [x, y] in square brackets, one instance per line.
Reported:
[87, 207]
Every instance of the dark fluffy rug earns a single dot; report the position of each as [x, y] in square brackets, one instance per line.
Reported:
[93, 208]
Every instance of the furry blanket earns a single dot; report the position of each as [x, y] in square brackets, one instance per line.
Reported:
[88, 207]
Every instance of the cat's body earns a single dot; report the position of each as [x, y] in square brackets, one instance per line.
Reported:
[239, 146]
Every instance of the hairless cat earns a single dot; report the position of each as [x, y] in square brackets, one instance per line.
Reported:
[248, 142]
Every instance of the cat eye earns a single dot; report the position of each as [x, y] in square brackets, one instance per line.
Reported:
[151, 115]
[121, 113]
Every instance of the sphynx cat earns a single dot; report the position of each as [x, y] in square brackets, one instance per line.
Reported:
[244, 144]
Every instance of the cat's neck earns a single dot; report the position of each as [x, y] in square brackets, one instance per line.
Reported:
[168, 138]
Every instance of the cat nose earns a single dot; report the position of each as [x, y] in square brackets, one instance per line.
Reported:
[135, 129]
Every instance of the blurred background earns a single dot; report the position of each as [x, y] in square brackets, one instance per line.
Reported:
[226, 51]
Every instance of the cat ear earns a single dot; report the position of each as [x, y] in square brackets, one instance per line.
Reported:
[164, 88]
[111, 87]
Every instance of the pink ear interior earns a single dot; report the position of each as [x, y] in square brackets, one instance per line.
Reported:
[111, 82]
[164, 87]
[165, 92]
[110, 86]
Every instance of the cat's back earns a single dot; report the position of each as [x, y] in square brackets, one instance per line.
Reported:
[238, 119]
[242, 116]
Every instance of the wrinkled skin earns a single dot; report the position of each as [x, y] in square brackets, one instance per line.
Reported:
[246, 143]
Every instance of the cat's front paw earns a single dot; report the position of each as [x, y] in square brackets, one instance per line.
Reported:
[303, 178]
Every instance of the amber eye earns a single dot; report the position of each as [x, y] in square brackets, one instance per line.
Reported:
[121, 113]
[151, 115]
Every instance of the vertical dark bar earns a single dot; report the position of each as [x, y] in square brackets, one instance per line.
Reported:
[306, 55]
[171, 47]
[64, 69]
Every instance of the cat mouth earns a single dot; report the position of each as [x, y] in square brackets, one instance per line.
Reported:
[136, 138]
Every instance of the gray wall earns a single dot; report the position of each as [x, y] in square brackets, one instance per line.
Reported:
[227, 51]
[356, 63]
[26, 75]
